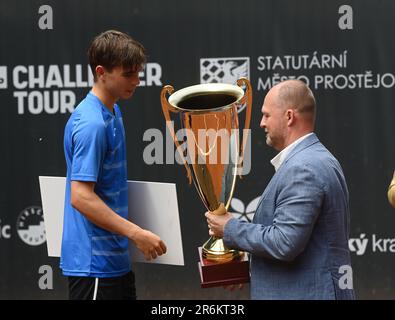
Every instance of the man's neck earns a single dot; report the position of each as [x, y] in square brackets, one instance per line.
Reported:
[105, 97]
[292, 138]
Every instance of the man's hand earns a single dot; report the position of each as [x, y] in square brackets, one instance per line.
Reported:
[149, 244]
[216, 221]
[233, 287]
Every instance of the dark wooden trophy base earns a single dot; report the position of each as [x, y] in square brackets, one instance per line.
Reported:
[213, 274]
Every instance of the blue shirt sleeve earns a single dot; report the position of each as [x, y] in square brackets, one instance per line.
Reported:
[89, 147]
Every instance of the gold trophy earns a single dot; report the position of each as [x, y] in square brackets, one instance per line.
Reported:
[391, 192]
[212, 158]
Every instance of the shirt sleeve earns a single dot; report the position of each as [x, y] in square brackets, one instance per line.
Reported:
[89, 147]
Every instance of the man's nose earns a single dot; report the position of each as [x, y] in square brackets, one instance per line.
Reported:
[135, 80]
[262, 124]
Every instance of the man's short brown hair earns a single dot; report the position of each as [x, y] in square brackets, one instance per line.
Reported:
[112, 49]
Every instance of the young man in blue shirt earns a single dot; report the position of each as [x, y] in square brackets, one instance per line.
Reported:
[96, 229]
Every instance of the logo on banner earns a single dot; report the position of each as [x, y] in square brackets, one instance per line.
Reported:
[224, 70]
[3, 77]
[30, 226]
[242, 212]
[373, 243]
[50, 89]
[5, 231]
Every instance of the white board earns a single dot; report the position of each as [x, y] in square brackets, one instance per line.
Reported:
[152, 206]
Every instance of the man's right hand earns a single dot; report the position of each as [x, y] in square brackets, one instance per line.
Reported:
[149, 244]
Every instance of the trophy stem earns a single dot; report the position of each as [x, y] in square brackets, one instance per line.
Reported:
[215, 250]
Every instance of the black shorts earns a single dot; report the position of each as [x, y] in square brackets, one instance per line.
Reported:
[118, 288]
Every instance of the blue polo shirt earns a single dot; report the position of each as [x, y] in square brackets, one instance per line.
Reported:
[95, 150]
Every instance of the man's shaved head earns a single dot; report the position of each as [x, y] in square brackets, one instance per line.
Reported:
[288, 113]
[295, 94]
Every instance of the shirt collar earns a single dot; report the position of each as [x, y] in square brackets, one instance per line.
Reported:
[279, 158]
[95, 98]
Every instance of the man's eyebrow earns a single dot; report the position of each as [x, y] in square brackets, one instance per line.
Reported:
[132, 69]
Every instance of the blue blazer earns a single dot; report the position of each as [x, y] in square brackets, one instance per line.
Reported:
[298, 239]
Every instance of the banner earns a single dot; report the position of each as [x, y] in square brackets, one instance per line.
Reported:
[344, 51]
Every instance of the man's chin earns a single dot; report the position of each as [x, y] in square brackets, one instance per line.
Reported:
[127, 95]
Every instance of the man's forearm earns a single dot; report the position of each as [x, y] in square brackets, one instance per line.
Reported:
[88, 203]
[96, 211]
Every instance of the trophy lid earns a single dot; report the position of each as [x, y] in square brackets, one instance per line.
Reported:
[206, 97]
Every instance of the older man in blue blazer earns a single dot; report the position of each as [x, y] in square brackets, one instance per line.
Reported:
[298, 239]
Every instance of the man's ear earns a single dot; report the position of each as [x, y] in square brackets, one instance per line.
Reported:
[290, 114]
[99, 71]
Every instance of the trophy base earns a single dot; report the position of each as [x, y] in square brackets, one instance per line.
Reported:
[214, 274]
[215, 251]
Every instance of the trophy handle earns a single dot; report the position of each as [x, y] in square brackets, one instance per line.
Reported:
[166, 106]
[247, 98]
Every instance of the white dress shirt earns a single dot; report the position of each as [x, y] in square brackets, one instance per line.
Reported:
[279, 158]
